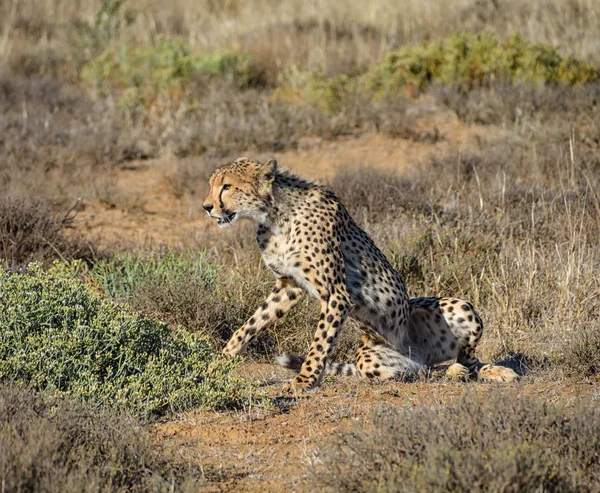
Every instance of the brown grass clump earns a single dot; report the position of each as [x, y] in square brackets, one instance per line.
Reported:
[526, 108]
[582, 352]
[479, 443]
[62, 446]
[53, 137]
[31, 231]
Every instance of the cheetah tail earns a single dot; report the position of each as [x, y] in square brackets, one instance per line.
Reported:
[294, 362]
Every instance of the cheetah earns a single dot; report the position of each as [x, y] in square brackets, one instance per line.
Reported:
[312, 245]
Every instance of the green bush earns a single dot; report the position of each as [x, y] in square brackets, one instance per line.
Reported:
[494, 443]
[477, 59]
[57, 334]
[465, 60]
[314, 89]
[143, 72]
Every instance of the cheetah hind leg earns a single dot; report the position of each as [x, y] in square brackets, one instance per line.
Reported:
[380, 361]
[495, 373]
[450, 328]
[458, 372]
[483, 372]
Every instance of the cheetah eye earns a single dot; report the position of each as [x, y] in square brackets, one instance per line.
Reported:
[227, 186]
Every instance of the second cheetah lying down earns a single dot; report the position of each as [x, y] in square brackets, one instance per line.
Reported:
[312, 245]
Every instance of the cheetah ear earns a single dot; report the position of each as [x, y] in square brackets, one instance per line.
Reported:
[266, 177]
[267, 170]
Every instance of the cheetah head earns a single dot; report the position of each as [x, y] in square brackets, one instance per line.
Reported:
[240, 189]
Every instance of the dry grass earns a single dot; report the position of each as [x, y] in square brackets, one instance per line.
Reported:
[31, 231]
[329, 36]
[62, 446]
[512, 225]
[54, 131]
[513, 229]
[527, 109]
[494, 443]
[53, 137]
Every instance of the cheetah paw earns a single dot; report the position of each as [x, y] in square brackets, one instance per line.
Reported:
[491, 373]
[297, 386]
[233, 349]
[458, 372]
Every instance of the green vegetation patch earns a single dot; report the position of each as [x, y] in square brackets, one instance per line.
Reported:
[58, 335]
[315, 89]
[143, 72]
[478, 59]
[121, 277]
[204, 295]
[466, 60]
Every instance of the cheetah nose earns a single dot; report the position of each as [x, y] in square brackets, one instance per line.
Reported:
[208, 207]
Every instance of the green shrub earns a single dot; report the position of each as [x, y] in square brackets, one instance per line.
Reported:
[465, 60]
[315, 89]
[60, 445]
[58, 335]
[143, 72]
[477, 59]
[494, 443]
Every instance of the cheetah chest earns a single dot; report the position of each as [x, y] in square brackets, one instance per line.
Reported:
[282, 256]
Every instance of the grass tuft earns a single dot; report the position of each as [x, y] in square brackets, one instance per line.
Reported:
[31, 231]
[582, 354]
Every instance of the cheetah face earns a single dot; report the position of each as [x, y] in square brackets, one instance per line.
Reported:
[240, 190]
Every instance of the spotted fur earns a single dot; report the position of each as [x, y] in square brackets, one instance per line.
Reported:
[308, 239]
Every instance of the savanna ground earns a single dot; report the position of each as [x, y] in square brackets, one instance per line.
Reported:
[464, 136]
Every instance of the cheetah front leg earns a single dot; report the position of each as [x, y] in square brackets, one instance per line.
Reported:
[284, 296]
[334, 310]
